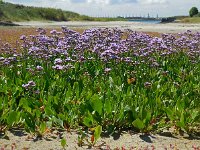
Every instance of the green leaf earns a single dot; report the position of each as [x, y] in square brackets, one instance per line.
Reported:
[49, 124]
[88, 121]
[57, 121]
[42, 127]
[107, 107]
[138, 124]
[12, 118]
[170, 113]
[29, 121]
[148, 117]
[37, 113]
[76, 89]
[96, 104]
[97, 132]
[63, 142]
[180, 104]
[48, 110]
[25, 104]
[195, 115]
[46, 87]
[181, 123]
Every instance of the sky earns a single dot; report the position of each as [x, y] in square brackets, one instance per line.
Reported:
[113, 8]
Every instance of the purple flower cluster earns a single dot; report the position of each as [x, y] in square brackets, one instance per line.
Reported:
[8, 60]
[64, 48]
[7, 49]
[29, 85]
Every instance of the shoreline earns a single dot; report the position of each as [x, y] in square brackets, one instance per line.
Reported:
[136, 26]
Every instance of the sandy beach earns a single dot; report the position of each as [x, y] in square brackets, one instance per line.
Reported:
[19, 140]
[136, 26]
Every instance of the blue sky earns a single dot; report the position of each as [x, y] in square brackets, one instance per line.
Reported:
[114, 8]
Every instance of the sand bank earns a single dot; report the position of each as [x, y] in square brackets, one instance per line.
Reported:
[136, 26]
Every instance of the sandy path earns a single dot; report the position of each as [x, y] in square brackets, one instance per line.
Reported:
[20, 140]
[161, 28]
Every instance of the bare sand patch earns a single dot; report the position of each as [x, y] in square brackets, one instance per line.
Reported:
[137, 26]
[18, 140]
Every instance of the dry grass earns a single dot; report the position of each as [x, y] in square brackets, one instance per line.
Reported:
[12, 35]
[191, 20]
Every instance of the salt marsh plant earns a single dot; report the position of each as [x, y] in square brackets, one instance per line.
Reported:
[104, 78]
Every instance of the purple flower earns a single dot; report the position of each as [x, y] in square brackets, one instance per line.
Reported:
[53, 31]
[6, 62]
[155, 64]
[23, 37]
[29, 85]
[41, 31]
[33, 49]
[58, 67]
[68, 59]
[58, 61]
[107, 70]
[1, 58]
[26, 86]
[39, 68]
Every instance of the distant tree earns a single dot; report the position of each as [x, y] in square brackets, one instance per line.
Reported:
[193, 11]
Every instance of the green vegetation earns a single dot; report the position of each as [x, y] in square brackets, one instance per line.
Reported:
[193, 11]
[102, 80]
[87, 18]
[16, 12]
[194, 16]
[191, 20]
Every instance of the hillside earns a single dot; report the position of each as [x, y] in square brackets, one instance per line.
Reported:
[16, 12]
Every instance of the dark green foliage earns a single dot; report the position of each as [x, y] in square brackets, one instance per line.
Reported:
[51, 14]
[87, 18]
[193, 11]
[16, 12]
[1, 11]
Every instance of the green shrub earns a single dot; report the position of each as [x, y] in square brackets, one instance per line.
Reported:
[16, 12]
[193, 11]
[86, 18]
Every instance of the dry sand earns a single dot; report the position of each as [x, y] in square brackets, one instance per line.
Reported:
[137, 26]
[20, 140]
